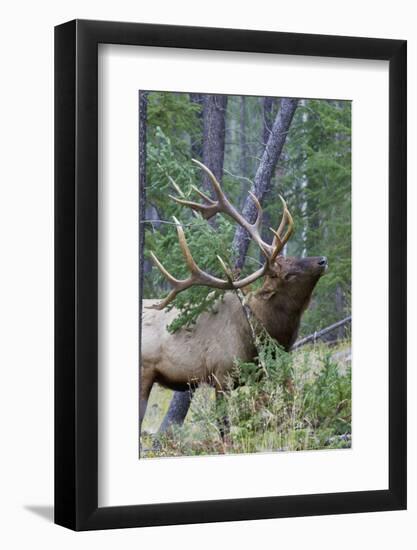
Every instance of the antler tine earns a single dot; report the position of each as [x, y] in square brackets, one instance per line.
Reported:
[247, 280]
[258, 221]
[192, 266]
[203, 195]
[279, 242]
[190, 204]
[163, 303]
[198, 277]
[289, 220]
[175, 283]
[164, 272]
[175, 186]
[226, 269]
[251, 278]
[216, 185]
[284, 215]
[206, 210]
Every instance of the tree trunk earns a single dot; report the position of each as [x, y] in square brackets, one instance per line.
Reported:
[267, 106]
[143, 105]
[214, 125]
[178, 409]
[243, 164]
[264, 174]
[152, 214]
[197, 145]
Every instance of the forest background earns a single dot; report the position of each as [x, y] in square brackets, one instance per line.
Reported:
[309, 165]
[297, 148]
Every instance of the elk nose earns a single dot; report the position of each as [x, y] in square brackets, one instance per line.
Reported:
[323, 260]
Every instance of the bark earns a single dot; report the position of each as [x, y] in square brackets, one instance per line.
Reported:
[214, 125]
[152, 214]
[143, 104]
[178, 408]
[197, 145]
[243, 141]
[263, 176]
[268, 105]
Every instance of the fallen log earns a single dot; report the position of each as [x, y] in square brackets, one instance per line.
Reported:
[320, 333]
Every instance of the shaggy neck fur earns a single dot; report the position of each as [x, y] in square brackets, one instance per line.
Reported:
[280, 311]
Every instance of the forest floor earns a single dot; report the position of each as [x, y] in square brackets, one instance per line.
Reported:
[303, 404]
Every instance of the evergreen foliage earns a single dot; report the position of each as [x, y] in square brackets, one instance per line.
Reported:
[297, 401]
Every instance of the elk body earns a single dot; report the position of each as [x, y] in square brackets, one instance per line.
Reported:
[207, 351]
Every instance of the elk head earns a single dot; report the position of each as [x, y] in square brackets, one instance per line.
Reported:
[288, 282]
[292, 277]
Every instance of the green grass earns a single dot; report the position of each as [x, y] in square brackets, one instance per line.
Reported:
[295, 402]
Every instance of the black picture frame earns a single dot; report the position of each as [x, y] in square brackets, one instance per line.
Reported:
[76, 272]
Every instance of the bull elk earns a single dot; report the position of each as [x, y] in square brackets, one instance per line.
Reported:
[207, 352]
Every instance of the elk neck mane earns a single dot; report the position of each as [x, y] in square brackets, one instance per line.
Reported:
[280, 313]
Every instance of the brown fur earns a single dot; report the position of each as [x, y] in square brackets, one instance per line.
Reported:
[207, 351]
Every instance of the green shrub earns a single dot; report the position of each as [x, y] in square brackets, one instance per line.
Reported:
[283, 402]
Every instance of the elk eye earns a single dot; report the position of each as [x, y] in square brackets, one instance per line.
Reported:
[289, 276]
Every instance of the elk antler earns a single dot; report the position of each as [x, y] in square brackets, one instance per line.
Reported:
[197, 277]
[208, 210]
[222, 205]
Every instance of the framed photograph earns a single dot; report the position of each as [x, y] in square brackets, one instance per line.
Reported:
[230, 254]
